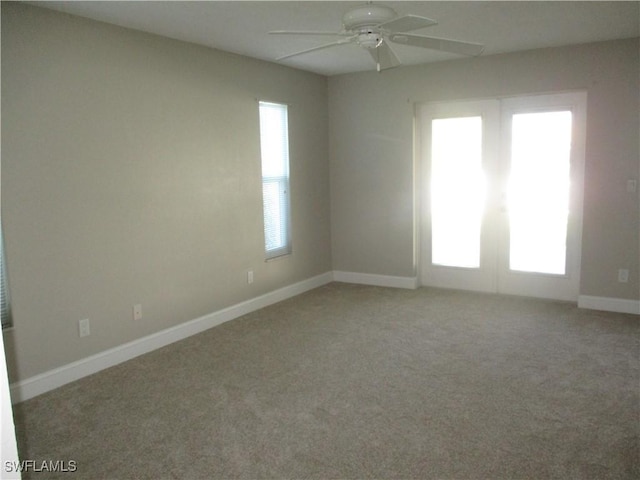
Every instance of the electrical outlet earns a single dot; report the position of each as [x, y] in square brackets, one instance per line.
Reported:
[83, 328]
[623, 275]
[250, 276]
[137, 312]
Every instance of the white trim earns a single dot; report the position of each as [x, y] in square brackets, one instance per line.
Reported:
[44, 382]
[619, 305]
[377, 280]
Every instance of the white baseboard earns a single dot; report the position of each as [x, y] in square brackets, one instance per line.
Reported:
[619, 305]
[377, 280]
[44, 382]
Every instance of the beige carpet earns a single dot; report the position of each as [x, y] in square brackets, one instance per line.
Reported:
[352, 381]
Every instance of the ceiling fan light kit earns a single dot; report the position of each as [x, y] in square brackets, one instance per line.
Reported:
[369, 39]
[374, 27]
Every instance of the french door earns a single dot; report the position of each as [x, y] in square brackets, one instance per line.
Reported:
[501, 206]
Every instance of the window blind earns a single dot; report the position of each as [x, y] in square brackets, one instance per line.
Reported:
[5, 311]
[274, 149]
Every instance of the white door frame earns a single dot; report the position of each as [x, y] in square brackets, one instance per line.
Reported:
[560, 287]
[494, 274]
[483, 278]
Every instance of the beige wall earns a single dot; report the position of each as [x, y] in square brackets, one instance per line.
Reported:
[131, 174]
[372, 168]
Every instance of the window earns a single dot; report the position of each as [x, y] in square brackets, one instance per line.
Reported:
[539, 187]
[274, 149]
[4, 292]
[457, 191]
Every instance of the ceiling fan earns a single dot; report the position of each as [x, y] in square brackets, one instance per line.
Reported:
[373, 27]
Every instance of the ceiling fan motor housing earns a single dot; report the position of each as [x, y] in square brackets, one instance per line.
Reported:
[367, 16]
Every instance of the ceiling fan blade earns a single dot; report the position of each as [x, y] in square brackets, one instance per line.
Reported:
[407, 23]
[308, 32]
[384, 57]
[309, 50]
[443, 44]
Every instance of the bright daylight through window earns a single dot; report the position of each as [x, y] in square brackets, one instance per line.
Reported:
[457, 191]
[274, 148]
[539, 191]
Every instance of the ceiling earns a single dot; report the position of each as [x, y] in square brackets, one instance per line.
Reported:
[241, 26]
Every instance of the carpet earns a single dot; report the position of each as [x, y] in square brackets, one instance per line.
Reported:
[354, 382]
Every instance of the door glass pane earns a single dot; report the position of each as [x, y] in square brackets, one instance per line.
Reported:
[457, 191]
[538, 193]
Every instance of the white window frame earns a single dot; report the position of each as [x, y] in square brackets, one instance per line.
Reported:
[274, 149]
